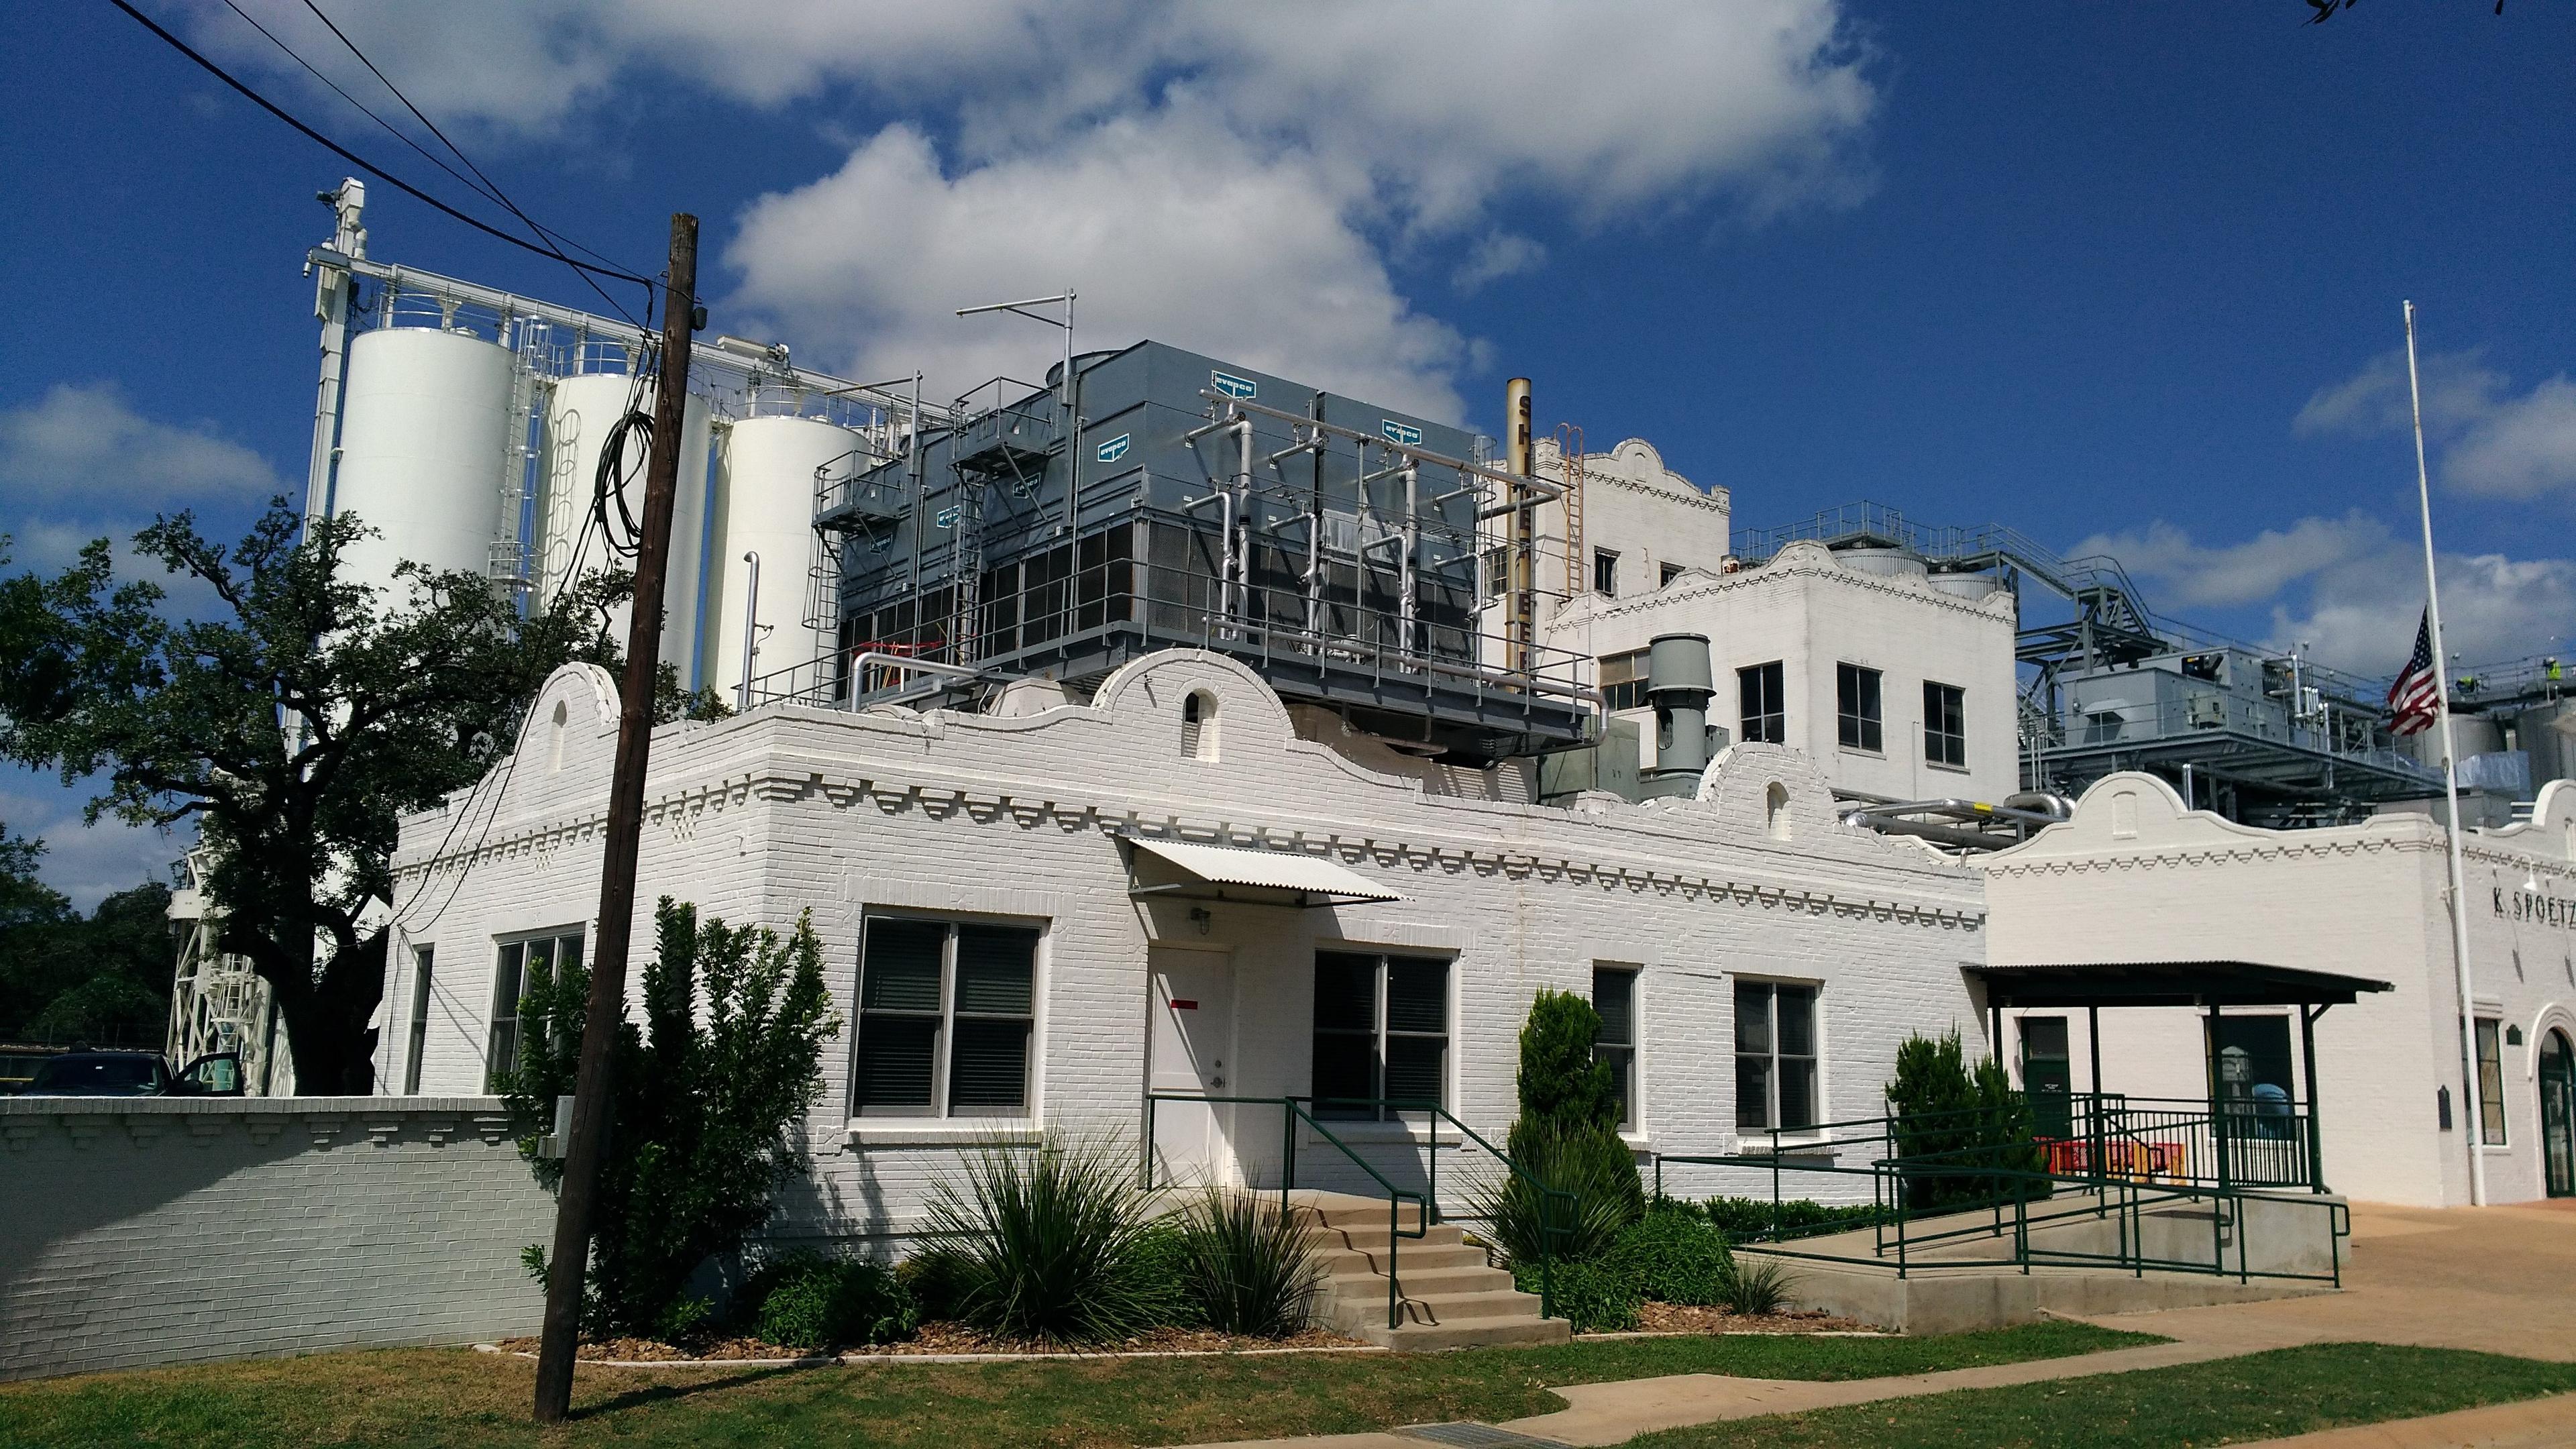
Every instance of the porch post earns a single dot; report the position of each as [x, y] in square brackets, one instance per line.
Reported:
[2316, 1135]
[2093, 1045]
[2217, 1097]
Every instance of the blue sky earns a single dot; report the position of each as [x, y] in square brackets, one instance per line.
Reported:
[2123, 276]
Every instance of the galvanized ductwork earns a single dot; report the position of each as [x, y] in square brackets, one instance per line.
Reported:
[1679, 684]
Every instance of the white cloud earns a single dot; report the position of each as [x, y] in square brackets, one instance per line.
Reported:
[1109, 146]
[2458, 387]
[2524, 448]
[1497, 255]
[84, 862]
[2193, 575]
[2492, 443]
[1163, 230]
[88, 443]
[2362, 614]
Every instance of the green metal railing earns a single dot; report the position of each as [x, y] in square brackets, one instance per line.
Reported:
[2122, 1160]
[1294, 1110]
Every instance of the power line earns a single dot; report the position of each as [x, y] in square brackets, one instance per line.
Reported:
[354, 159]
[490, 187]
[480, 187]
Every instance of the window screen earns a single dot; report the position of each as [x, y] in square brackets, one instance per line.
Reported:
[1614, 997]
[946, 1013]
[1775, 1056]
[1762, 706]
[1945, 724]
[1381, 1034]
[1856, 708]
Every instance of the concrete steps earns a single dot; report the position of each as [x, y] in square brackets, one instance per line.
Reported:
[1446, 1295]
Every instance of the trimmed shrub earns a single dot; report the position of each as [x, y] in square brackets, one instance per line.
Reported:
[706, 1091]
[1592, 1296]
[1162, 1275]
[1561, 1083]
[1048, 1243]
[1247, 1267]
[806, 1300]
[1594, 1165]
[1673, 1256]
[1744, 1219]
[1961, 1119]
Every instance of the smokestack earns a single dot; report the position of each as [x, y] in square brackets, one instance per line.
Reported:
[1678, 684]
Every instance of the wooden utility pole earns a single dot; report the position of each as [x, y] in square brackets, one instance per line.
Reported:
[591, 1087]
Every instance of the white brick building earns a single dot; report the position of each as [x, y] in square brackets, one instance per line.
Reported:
[2134, 876]
[971, 877]
[1899, 683]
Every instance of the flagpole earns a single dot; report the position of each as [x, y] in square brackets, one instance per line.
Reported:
[2476, 1117]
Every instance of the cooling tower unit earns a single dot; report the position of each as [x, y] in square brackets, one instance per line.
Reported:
[570, 540]
[765, 505]
[424, 441]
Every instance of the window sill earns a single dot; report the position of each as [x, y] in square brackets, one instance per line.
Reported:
[1864, 753]
[1753, 1145]
[1946, 769]
[942, 1131]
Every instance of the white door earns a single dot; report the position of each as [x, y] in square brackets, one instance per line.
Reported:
[1191, 1043]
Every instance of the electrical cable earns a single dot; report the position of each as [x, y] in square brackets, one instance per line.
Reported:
[489, 188]
[481, 188]
[354, 159]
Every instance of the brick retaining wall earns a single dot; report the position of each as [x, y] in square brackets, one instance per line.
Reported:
[155, 1231]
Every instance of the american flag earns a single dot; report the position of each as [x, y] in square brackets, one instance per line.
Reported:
[2414, 701]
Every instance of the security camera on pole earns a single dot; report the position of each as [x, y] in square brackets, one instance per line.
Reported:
[564, 1269]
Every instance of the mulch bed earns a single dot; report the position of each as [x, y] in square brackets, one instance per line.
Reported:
[1681, 1318]
[938, 1338]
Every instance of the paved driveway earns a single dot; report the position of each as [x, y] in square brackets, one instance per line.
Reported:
[2498, 1279]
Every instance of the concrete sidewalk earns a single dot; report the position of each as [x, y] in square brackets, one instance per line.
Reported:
[2495, 1280]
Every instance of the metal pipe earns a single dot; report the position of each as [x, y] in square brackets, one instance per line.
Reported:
[331, 307]
[750, 631]
[1404, 572]
[1237, 570]
[1543, 488]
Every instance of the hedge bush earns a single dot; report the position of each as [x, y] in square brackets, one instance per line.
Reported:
[806, 1300]
[1674, 1257]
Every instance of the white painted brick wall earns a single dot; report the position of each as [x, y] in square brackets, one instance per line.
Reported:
[2133, 876]
[138, 1232]
[783, 810]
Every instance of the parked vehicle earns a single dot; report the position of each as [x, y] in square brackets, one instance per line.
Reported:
[135, 1074]
[18, 1063]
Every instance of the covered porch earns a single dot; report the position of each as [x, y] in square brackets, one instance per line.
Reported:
[2254, 1127]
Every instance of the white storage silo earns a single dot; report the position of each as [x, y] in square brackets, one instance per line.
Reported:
[424, 440]
[578, 421]
[765, 505]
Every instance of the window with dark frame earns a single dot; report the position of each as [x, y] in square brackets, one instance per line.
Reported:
[2490, 1083]
[1945, 725]
[1856, 708]
[417, 1039]
[1667, 573]
[523, 965]
[947, 1011]
[1605, 572]
[1623, 680]
[1381, 1034]
[1762, 707]
[1614, 997]
[1775, 1056]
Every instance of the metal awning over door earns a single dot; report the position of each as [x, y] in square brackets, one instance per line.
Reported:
[1258, 877]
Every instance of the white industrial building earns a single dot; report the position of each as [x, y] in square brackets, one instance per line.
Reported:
[2134, 876]
[1169, 886]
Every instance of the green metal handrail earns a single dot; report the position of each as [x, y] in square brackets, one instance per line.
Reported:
[1551, 1230]
[1291, 1114]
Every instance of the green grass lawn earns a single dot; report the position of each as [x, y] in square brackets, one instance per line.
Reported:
[2231, 1401]
[432, 1397]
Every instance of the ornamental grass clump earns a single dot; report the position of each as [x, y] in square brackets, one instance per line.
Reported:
[1248, 1267]
[1048, 1243]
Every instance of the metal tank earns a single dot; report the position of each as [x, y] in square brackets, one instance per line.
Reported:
[424, 442]
[578, 419]
[764, 504]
